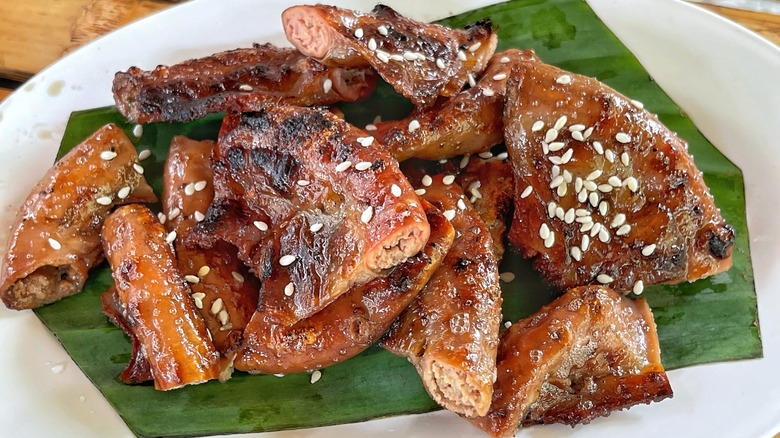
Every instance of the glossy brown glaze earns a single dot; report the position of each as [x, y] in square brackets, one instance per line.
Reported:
[281, 196]
[422, 61]
[240, 79]
[468, 123]
[489, 185]
[137, 370]
[55, 239]
[156, 299]
[586, 354]
[450, 332]
[223, 290]
[350, 324]
[655, 199]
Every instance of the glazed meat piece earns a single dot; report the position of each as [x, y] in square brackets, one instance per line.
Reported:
[55, 239]
[312, 206]
[489, 184]
[223, 290]
[156, 301]
[468, 123]
[241, 80]
[350, 324]
[450, 332]
[586, 354]
[137, 370]
[421, 61]
[604, 192]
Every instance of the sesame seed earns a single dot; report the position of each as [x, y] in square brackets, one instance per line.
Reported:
[625, 159]
[582, 196]
[199, 295]
[587, 133]
[638, 104]
[622, 231]
[499, 77]
[104, 200]
[594, 198]
[472, 81]
[414, 125]
[216, 306]
[485, 155]
[372, 44]
[560, 122]
[562, 189]
[395, 190]
[449, 179]
[556, 160]
[537, 126]
[344, 165]
[370, 127]
[474, 47]
[316, 227]
[576, 127]
[558, 180]
[551, 208]
[603, 208]
[622, 137]
[315, 376]
[427, 180]
[440, 64]
[615, 181]
[464, 161]
[551, 135]
[559, 213]
[107, 155]
[287, 260]
[488, 92]
[618, 220]
[604, 235]
[585, 243]
[198, 301]
[506, 277]
[576, 253]
[564, 80]
[609, 155]
[238, 277]
[556, 146]
[245, 87]
[144, 154]
[189, 189]
[604, 279]
[382, 30]
[192, 279]
[556, 170]
[449, 214]
[598, 147]
[593, 175]
[381, 54]
[123, 193]
[359, 33]
[550, 240]
[544, 231]
[138, 169]
[419, 192]
[461, 55]
[584, 219]
[526, 192]
[461, 204]
[569, 216]
[581, 212]
[639, 286]
[577, 135]
[170, 237]
[567, 156]
[368, 213]
[578, 184]
[502, 156]
[54, 244]
[587, 226]
[363, 165]
[648, 250]
[605, 188]
[138, 131]
[631, 183]
[262, 226]
[409, 56]
[545, 148]
[596, 229]
[223, 316]
[590, 186]
[162, 218]
[327, 85]
[302, 182]
[203, 271]
[504, 59]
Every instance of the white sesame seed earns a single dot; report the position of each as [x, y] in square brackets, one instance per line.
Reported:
[585, 243]
[559, 213]
[303, 182]
[138, 131]
[576, 127]
[449, 179]
[262, 226]
[594, 199]
[238, 277]
[485, 155]
[593, 175]
[427, 180]
[615, 181]
[631, 183]
[419, 192]
[603, 208]
[639, 286]
[144, 154]
[223, 316]
[537, 126]
[198, 301]
[551, 135]
[545, 148]
[104, 200]
[499, 77]
[472, 81]
[162, 218]
[564, 80]
[504, 59]
[199, 295]
[316, 227]
[344, 165]
[189, 189]
[544, 231]
[395, 190]
[381, 54]
[138, 169]
[488, 92]
[625, 159]
[54, 244]
[590, 186]
[609, 155]
[440, 63]
[622, 137]
[567, 176]
[368, 213]
[170, 237]
[648, 250]
[414, 125]
[605, 188]
[576, 253]
[581, 212]
[461, 204]
[567, 156]
[560, 122]
[363, 165]
[216, 306]
[558, 180]
[461, 55]
[526, 192]
[245, 87]
[107, 155]
[551, 208]
[372, 44]
[550, 240]
[556, 160]
[562, 190]
[556, 146]
[464, 161]
[587, 133]
[604, 279]
[327, 85]
[370, 127]
[598, 147]
[382, 29]
[622, 231]
[506, 277]
[556, 170]
[449, 214]
[359, 33]
[409, 56]
[204, 271]
[582, 196]
[604, 235]
[618, 220]
[577, 135]
[638, 104]
[287, 260]
[315, 376]
[596, 229]
[192, 279]
[569, 216]
[578, 184]
[584, 219]
[587, 226]
[123, 193]
[474, 47]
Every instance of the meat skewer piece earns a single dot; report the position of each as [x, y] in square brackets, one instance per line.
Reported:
[605, 193]
[157, 302]
[450, 332]
[419, 60]
[301, 192]
[223, 290]
[350, 324]
[470, 122]
[55, 239]
[586, 354]
[241, 79]
[137, 370]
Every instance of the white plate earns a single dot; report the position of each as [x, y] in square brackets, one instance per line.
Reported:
[725, 78]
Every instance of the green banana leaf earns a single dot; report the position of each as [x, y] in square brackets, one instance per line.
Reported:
[710, 320]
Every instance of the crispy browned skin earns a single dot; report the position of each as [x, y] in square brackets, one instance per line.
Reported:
[350, 324]
[468, 123]
[55, 239]
[490, 184]
[225, 300]
[450, 332]
[157, 301]
[658, 189]
[586, 354]
[279, 196]
[240, 79]
[406, 57]
[137, 370]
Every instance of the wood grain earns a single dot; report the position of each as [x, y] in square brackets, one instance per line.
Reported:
[766, 25]
[4, 92]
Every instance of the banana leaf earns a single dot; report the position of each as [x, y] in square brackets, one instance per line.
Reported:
[710, 320]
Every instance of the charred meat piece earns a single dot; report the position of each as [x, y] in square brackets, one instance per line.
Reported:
[137, 370]
[604, 192]
[55, 239]
[156, 301]
[450, 332]
[586, 354]
[241, 80]
[313, 208]
[489, 184]
[421, 61]
[468, 123]
[223, 290]
[350, 324]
